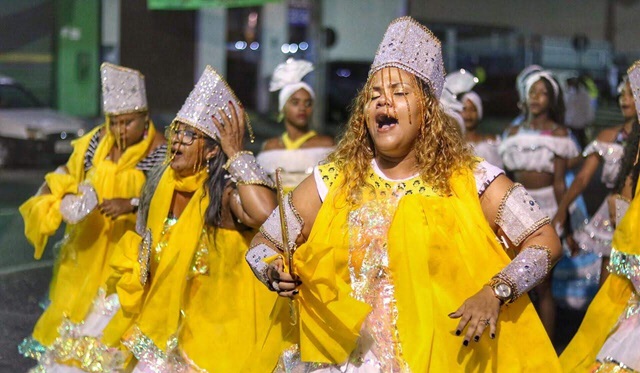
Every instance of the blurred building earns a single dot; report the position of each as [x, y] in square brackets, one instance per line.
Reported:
[55, 46]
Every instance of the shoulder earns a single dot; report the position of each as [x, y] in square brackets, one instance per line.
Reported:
[272, 143]
[320, 141]
[560, 131]
[608, 134]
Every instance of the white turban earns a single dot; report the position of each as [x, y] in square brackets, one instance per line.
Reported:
[287, 78]
[473, 97]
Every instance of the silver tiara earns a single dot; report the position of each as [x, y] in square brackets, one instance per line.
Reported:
[410, 46]
[210, 94]
[634, 81]
[123, 90]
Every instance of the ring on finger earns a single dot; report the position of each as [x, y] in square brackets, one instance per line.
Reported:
[275, 286]
[485, 321]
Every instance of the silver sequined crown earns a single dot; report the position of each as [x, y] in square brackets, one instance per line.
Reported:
[634, 81]
[410, 46]
[210, 94]
[123, 90]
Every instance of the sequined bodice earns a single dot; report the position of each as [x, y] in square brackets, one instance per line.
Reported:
[200, 260]
[371, 279]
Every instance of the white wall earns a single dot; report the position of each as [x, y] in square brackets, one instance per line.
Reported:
[560, 18]
[211, 34]
[359, 25]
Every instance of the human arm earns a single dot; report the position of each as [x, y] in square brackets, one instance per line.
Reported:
[578, 185]
[535, 242]
[266, 253]
[254, 197]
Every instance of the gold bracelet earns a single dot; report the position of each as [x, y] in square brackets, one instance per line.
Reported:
[234, 157]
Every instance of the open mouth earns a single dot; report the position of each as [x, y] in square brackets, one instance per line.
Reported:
[176, 152]
[385, 122]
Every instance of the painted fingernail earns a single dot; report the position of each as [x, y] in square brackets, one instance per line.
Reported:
[465, 342]
[493, 335]
[458, 332]
[295, 292]
[476, 338]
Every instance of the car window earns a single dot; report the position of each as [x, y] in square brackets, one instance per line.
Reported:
[16, 97]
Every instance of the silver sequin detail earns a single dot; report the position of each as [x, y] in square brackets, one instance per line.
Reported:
[410, 46]
[245, 170]
[255, 257]
[625, 265]
[272, 230]
[527, 269]
[75, 207]
[123, 90]
[210, 94]
[144, 255]
[611, 153]
[634, 81]
[519, 214]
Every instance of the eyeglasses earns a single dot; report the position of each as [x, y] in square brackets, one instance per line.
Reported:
[184, 136]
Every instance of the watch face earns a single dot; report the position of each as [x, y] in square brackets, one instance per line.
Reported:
[503, 290]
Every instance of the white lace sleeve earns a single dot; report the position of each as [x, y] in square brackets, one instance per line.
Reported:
[320, 184]
[484, 174]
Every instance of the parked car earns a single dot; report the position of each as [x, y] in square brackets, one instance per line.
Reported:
[30, 132]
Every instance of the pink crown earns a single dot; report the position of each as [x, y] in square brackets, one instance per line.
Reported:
[410, 46]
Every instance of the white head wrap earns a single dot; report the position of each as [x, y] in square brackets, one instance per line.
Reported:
[522, 78]
[473, 97]
[533, 78]
[287, 78]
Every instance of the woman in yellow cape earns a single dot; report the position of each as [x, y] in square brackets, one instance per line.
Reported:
[184, 298]
[608, 339]
[108, 163]
[399, 266]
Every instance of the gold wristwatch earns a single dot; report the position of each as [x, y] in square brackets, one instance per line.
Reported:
[502, 290]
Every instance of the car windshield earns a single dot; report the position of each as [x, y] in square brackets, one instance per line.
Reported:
[15, 97]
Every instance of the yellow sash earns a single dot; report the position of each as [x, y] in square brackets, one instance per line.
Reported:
[156, 308]
[296, 144]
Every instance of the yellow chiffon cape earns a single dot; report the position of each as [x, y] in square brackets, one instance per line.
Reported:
[610, 301]
[213, 317]
[81, 266]
[441, 252]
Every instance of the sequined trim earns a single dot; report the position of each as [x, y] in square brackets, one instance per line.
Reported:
[609, 365]
[244, 170]
[372, 281]
[527, 269]
[144, 255]
[272, 229]
[519, 215]
[200, 262]
[290, 362]
[625, 265]
[143, 348]
[30, 348]
[255, 257]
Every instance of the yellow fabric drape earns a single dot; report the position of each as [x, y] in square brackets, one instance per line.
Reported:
[610, 302]
[296, 144]
[165, 288]
[441, 252]
[82, 266]
[226, 308]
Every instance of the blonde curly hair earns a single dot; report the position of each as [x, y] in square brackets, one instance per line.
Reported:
[439, 148]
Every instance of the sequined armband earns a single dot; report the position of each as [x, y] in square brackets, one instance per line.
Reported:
[526, 270]
[625, 265]
[519, 215]
[244, 170]
[257, 259]
[272, 230]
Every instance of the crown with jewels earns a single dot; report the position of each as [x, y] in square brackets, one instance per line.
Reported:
[210, 94]
[634, 81]
[410, 46]
[123, 90]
